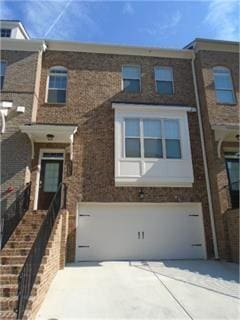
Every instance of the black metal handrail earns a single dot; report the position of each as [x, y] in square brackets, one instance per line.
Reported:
[32, 264]
[14, 214]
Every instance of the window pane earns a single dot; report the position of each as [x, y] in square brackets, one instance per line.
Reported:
[132, 128]
[57, 82]
[132, 148]
[2, 68]
[56, 96]
[233, 173]
[171, 129]
[131, 85]
[225, 96]
[164, 87]
[153, 148]
[51, 177]
[131, 72]
[164, 74]
[152, 128]
[222, 81]
[173, 149]
[1, 81]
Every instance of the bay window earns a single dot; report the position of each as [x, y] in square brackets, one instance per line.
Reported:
[152, 138]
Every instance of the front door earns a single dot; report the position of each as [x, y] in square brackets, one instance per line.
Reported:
[50, 178]
[233, 178]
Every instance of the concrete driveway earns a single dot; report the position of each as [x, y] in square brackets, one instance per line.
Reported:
[144, 290]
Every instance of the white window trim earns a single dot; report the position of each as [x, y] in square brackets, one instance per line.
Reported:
[140, 82]
[47, 84]
[142, 137]
[40, 157]
[229, 74]
[156, 89]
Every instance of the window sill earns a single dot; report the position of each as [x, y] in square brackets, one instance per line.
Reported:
[49, 104]
[135, 181]
[227, 104]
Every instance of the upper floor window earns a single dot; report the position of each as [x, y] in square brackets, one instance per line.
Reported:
[164, 80]
[151, 138]
[5, 33]
[57, 85]
[2, 72]
[223, 85]
[131, 78]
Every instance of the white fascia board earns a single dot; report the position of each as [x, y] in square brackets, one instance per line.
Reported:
[43, 129]
[127, 107]
[118, 49]
[22, 45]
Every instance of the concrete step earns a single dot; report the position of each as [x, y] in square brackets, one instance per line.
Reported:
[8, 279]
[11, 269]
[9, 260]
[8, 303]
[18, 244]
[8, 315]
[29, 237]
[9, 290]
[14, 252]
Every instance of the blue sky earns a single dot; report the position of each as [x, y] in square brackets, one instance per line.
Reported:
[169, 24]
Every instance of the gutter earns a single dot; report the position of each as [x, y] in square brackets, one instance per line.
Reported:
[215, 247]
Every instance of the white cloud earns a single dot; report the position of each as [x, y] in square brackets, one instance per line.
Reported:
[159, 29]
[54, 19]
[223, 18]
[128, 8]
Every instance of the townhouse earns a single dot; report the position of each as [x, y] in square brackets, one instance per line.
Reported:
[217, 76]
[132, 141]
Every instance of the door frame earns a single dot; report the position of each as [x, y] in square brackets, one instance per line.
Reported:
[40, 157]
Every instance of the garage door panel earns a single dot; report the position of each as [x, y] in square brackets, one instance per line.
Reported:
[139, 231]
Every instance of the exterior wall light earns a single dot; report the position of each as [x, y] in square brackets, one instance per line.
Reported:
[50, 137]
[141, 194]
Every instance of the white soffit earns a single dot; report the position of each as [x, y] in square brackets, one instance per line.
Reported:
[62, 134]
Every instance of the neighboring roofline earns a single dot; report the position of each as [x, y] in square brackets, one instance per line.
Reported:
[57, 45]
[213, 45]
[17, 23]
[22, 44]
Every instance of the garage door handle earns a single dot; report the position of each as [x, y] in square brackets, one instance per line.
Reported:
[142, 234]
[139, 235]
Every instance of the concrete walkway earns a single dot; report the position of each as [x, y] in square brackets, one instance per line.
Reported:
[144, 290]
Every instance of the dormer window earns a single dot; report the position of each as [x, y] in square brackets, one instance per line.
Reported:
[5, 33]
[223, 85]
[57, 85]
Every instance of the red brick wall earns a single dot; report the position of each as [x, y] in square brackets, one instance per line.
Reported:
[94, 83]
[214, 113]
[54, 260]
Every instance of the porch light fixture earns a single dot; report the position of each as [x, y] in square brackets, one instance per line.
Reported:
[237, 137]
[141, 194]
[50, 137]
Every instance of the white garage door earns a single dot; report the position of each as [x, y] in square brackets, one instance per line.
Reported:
[122, 231]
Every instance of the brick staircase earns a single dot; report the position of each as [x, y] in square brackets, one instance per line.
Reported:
[13, 256]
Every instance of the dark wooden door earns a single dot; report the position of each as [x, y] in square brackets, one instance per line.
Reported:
[50, 178]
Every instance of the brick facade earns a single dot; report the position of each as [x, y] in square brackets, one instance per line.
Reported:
[19, 87]
[214, 113]
[94, 82]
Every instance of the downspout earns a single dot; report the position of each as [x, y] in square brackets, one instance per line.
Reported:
[215, 247]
